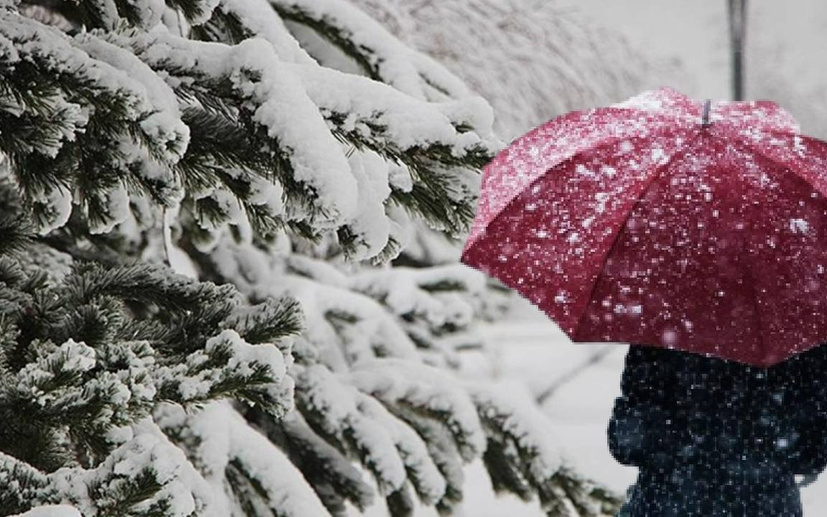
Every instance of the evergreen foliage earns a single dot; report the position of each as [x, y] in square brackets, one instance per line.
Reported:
[87, 352]
[279, 156]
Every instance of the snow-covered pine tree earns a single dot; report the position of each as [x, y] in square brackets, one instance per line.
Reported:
[282, 150]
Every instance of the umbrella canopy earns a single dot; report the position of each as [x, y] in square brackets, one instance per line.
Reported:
[666, 222]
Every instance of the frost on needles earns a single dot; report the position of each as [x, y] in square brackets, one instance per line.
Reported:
[90, 352]
[220, 284]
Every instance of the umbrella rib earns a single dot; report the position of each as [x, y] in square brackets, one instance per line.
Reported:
[655, 176]
[748, 272]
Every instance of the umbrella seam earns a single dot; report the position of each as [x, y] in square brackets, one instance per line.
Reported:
[746, 266]
[748, 271]
[546, 171]
[655, 176]
[793, 173]
[738, 141]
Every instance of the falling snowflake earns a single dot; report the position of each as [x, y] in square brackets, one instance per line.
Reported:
[585, 171]
[799, 225]
[798, 145]
[658, 156]
[601, 198]
[669, 338]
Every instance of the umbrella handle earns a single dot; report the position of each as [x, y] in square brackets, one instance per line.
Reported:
[707, 109]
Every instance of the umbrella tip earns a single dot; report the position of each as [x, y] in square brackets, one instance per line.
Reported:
[707, 108]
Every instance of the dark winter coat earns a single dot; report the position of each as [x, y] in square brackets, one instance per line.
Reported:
[718, 438]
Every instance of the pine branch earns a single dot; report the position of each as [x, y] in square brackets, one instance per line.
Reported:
[372, 47]
[332, 476]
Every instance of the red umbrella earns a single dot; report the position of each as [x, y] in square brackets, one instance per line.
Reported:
[661, 221]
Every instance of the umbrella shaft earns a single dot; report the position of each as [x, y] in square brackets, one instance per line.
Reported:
[737, 35]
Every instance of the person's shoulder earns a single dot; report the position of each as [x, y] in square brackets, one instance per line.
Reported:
[813, 357]
[817, 353]
[808, 368]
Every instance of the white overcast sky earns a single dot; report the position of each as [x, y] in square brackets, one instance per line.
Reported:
[697, 32]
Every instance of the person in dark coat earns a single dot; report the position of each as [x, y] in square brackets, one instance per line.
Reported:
[717, 438]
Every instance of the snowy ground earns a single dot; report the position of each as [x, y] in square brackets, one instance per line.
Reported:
[533, 354]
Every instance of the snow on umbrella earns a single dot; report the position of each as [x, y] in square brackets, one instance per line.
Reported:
[667, 222]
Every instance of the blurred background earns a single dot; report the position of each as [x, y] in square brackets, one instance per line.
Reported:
[536, 59]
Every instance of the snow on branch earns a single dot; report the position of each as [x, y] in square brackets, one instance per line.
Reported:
[382, 56]
[252, 18]
[145, 469]
[523, 455]
[228, 365]
[333, 408]
[228, 452]
[326, 468]
[108, 131]
[273, 99]
[51, 510]
[437, 306]
[426, 389]
[88, 357]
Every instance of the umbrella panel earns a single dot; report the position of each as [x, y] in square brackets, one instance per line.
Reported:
[550, 241]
